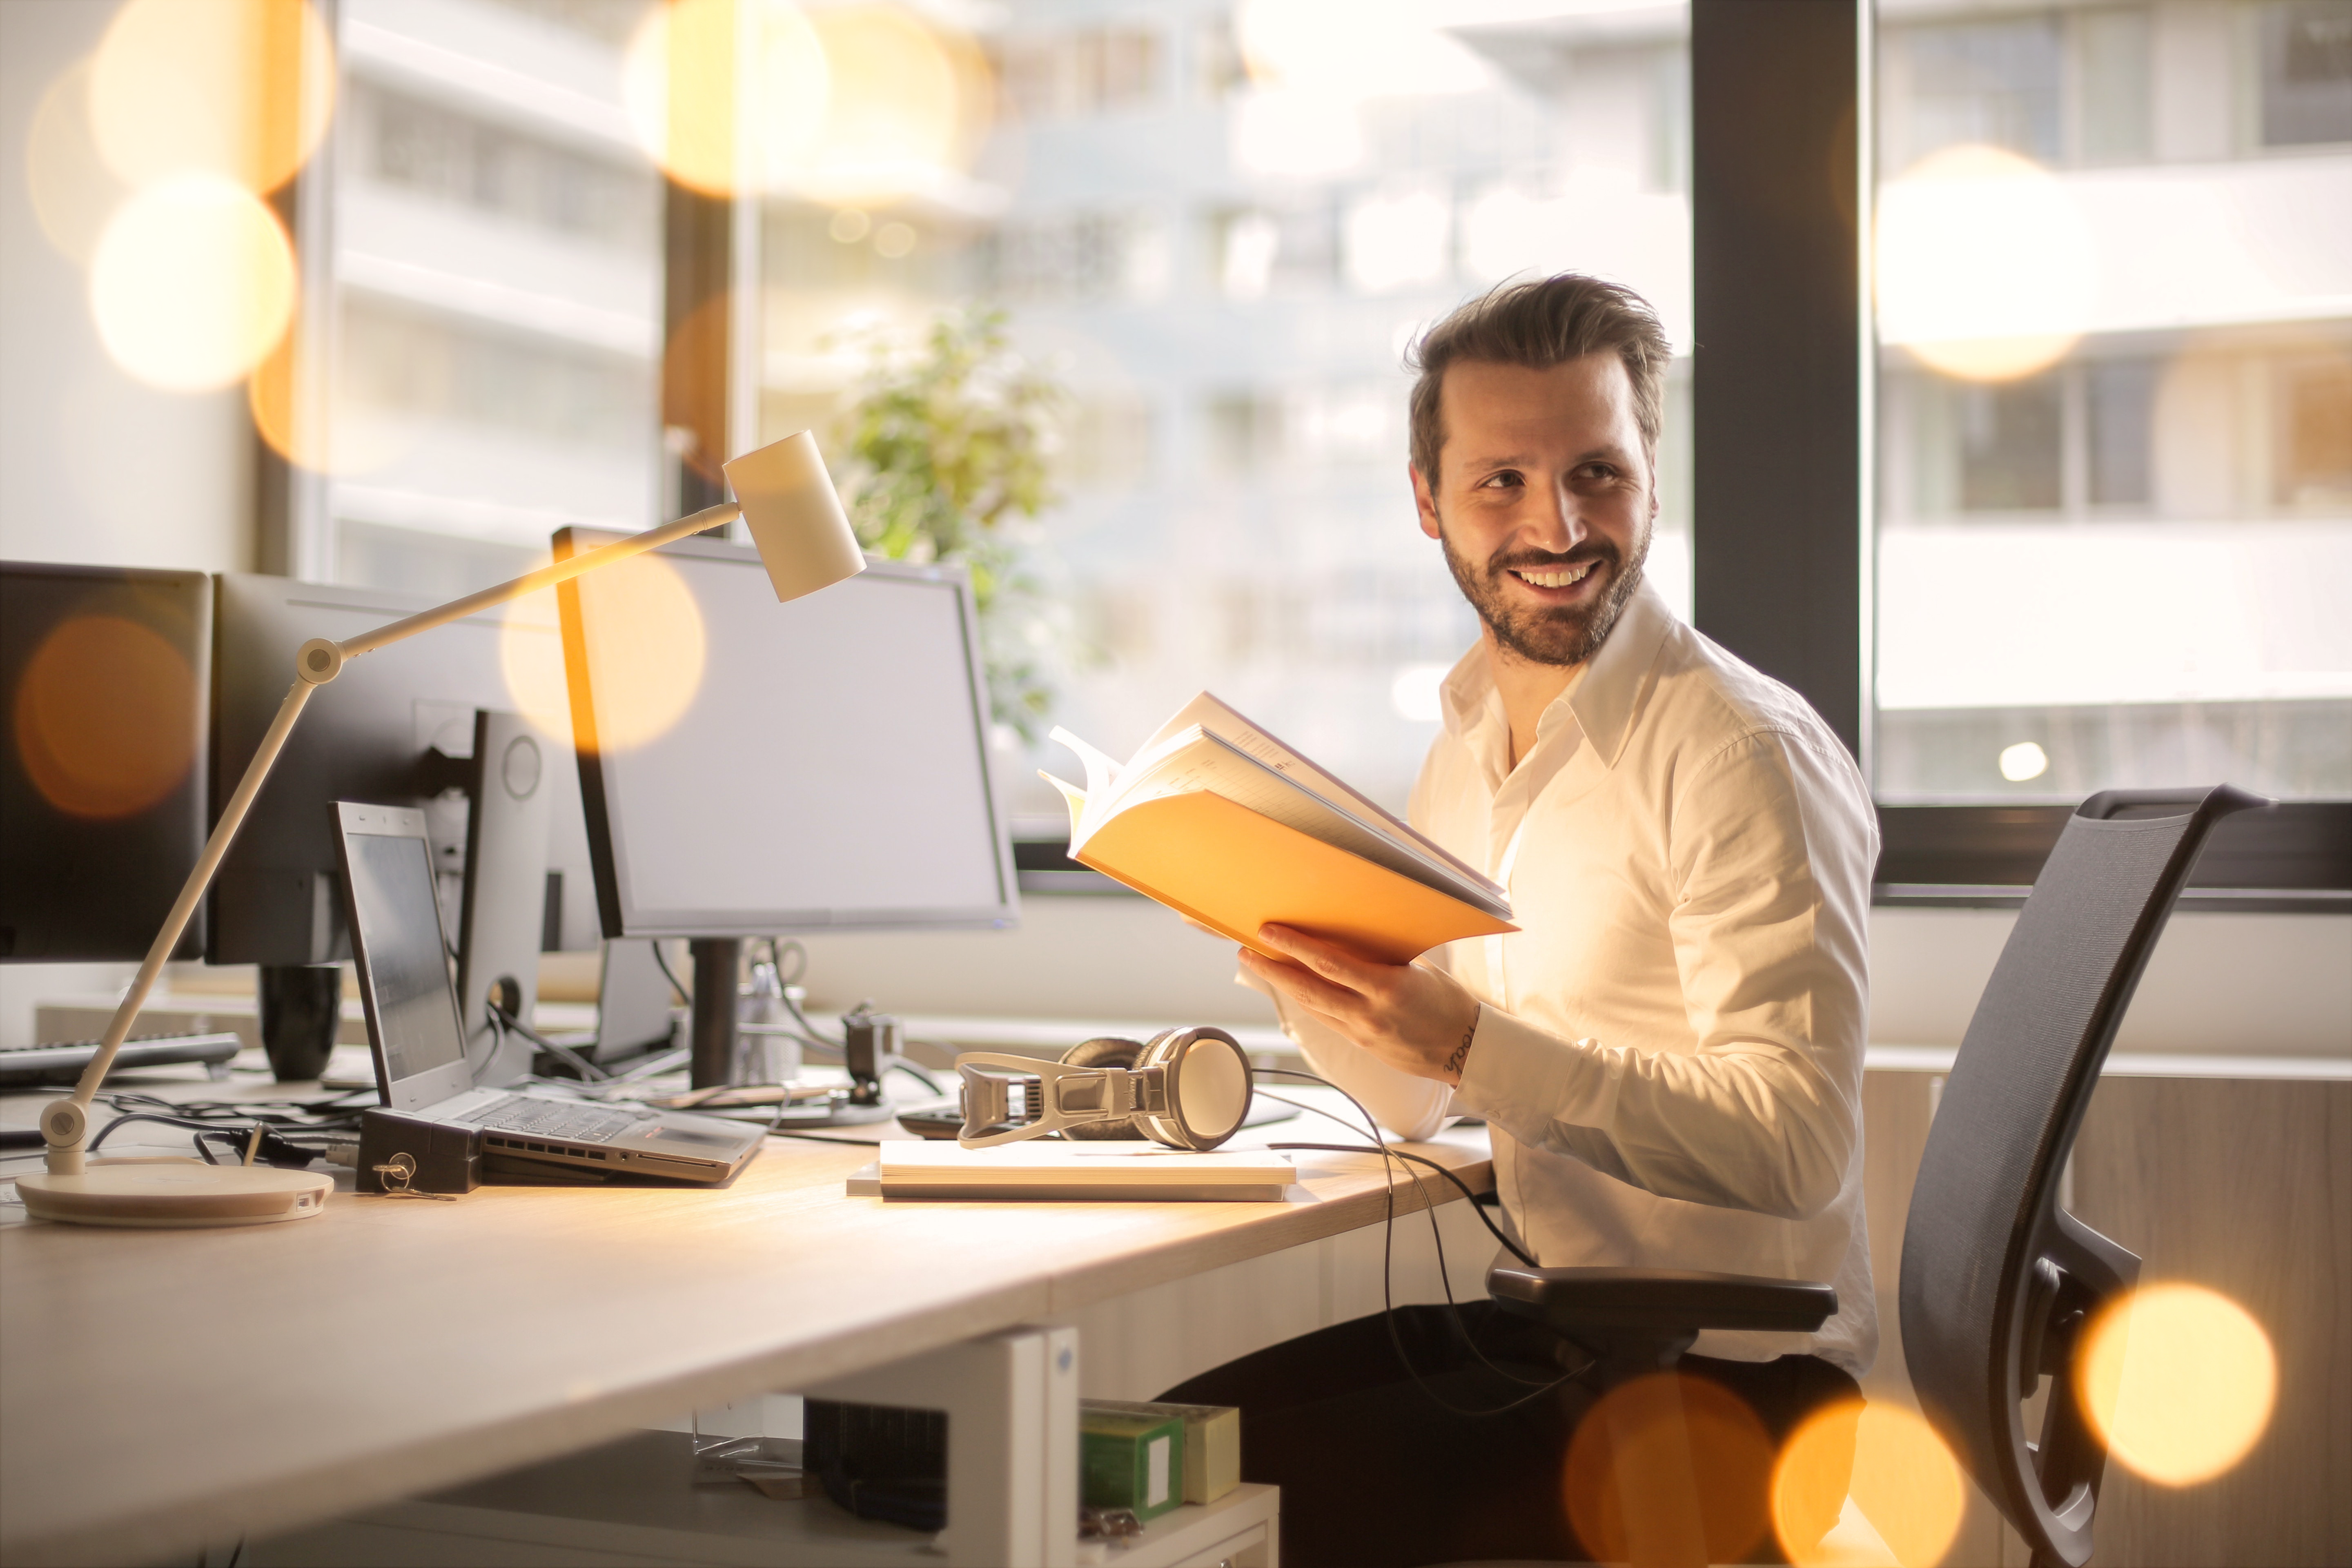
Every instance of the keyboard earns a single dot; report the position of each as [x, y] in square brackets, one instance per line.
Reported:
[64, 1062]
[571, 1120]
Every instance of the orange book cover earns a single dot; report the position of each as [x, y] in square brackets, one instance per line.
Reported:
[1233, 870]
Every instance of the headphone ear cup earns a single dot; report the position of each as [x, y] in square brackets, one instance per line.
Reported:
[1208, 1088]
[1104, 1051]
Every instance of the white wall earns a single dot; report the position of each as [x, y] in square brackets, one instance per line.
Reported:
[94, 467]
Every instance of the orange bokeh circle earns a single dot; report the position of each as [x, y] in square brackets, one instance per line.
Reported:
[1628, 1456]
[101, 716]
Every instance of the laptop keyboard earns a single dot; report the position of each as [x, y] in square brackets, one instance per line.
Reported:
[568, 1120]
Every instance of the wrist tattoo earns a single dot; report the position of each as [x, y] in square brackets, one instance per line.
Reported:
[1460, 1052]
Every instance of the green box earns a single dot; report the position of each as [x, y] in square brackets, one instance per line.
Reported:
[1130, 1462]
[1213, 1441]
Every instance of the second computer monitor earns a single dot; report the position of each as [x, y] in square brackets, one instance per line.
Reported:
[750, 767]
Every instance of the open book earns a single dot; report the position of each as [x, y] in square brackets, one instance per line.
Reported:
[1224, 823]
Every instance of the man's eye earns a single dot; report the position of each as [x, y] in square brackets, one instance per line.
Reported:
[1507, 479]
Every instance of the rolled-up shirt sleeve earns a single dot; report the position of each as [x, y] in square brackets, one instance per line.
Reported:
[1769, 874]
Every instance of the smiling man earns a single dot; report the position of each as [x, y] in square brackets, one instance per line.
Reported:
[1668, 1053]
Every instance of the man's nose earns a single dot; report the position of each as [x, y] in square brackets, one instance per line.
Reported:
[1558, 524]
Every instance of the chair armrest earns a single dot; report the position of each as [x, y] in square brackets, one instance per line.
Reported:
[1620, 1300]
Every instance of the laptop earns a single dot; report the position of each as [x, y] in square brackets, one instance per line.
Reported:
[421, 1069]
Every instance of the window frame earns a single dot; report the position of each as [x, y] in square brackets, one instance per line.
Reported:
[1783, 412]
[1787, 363]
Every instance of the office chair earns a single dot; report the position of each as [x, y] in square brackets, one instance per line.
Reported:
[1997, 1279]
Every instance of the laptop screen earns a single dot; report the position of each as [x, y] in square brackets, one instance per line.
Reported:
[407, 969]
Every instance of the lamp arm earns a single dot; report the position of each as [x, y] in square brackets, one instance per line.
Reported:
[65, 1123]
[545, 578]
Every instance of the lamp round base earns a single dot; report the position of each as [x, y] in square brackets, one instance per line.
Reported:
[173, 1195]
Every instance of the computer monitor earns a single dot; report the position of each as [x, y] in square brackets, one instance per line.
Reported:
[105, 672]
[749, 768]
[369, 736]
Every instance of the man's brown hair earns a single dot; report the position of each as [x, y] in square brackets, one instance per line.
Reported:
[1538, 324]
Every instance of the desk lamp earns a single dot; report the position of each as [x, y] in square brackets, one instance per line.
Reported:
[787, 501]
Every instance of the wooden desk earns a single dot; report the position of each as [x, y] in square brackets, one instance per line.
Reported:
[163, 1390]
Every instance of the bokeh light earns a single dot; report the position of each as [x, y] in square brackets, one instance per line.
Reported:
[1629, 1451]
[906, 107]
[192, 283]
[241, 90]
[102, 717]
[350, 439]
[1354, 49]
[711, 125]
[2026, 760]
[1890, 1462]
[2179, 1380]
[852, 106]
[72, 191]
[648, 648]
[1986, 267]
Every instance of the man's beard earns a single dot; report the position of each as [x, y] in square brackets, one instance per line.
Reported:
[1558, 634]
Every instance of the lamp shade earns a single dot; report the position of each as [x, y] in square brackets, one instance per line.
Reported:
[795, 516]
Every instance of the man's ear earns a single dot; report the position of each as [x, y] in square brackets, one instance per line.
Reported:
[1424, 503]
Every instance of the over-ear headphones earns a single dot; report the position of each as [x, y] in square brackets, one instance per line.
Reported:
[1186, 1088]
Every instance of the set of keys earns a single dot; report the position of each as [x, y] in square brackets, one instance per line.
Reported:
[398, 1172]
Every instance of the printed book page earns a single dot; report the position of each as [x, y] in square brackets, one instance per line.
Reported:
[1193, 761]
[1219, 717]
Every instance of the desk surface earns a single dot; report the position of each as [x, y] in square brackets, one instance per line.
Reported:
[160, 1390]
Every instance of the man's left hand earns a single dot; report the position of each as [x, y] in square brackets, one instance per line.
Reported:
[1417, 1020]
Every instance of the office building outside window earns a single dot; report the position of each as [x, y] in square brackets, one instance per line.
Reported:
[1222, 228]
[2114, 304]
[485, 317]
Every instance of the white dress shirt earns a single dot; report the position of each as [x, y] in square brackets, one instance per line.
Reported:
[1669, 1050]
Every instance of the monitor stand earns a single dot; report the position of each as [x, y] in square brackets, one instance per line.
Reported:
[504, 917]
[711, 1039]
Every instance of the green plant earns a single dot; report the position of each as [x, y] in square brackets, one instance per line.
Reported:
[950, 439]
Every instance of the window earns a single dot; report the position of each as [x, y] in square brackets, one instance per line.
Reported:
[490, 327]
[1081, 71]
[2113, 533]
[2306, 51]
[1223, 233]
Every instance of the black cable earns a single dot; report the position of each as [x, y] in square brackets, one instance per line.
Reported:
[1513, 1247]
[1436, 1234]
[901, 1063]
[589, 1071]
[1388, 1250]
[685, 997]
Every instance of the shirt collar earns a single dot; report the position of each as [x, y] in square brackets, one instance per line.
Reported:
[1604, 699]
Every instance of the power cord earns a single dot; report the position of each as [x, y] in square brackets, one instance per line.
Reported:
[661, 960]
[1388, 1251]
[506, 1022]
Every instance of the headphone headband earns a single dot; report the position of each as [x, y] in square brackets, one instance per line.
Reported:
[1190, 1088]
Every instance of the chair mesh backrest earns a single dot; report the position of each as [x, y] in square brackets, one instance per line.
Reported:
[2015, 1097]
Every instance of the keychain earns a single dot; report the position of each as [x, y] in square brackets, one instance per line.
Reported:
[396, 1173]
